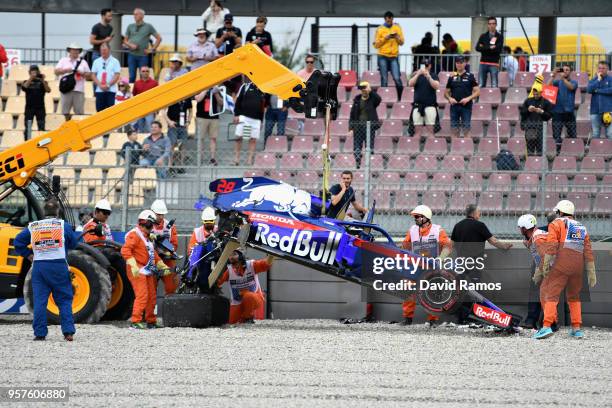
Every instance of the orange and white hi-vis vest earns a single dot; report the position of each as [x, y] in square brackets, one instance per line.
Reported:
[201, 234]
[108, 236]
[238, 283]
[148, 268]
[539, 237]
[47, 239]
[163, 230]
[427, 245]
[575, 235]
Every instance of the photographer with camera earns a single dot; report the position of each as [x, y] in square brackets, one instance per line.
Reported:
[35, 89]
[563, 110]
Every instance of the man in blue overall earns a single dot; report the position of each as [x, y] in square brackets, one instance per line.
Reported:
[50, 238]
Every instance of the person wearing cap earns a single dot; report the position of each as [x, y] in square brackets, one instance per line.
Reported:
[202, 232]
[74, 99]
[259, 36]
[142, 267]
[427, 240]
[35, 89]
[424, 107]
[213, 16]
[106, 72]
[176, 68]
[97, 228]
[143, 84]
[202, 51]
[534, 111]
[389, 38]
[162, 228]
[136, 40]
[567, 253]
[461, 90]
[246, 296]
[362, 111]
[228, 37]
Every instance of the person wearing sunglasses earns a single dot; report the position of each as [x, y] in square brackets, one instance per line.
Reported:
[97, 228]
[308, 69]
[106, 71]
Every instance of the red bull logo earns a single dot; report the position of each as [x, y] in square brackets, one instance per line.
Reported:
[493, 316]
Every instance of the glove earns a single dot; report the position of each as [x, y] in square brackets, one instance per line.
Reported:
[133, 266]
[445, 253]
[163, 268]
[153, 237]
[545, 267]
[537, 276]
[591, 275]
[98, 230]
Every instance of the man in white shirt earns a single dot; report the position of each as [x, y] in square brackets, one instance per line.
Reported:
[106, 72]
[75, 98]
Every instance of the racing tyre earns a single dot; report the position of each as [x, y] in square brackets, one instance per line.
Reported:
[195, 310]
[446, 298]
[92, 290]
[122, 294]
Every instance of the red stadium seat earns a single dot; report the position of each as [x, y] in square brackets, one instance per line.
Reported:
[276, 144]
[577, 98]
[435, 200]
[408, 95]
[601, 147]
[499, 128]
[435, 146]
[535, 163]
[443, 78]
[481, 112]
[515, 96]
[389, 180]
[500, 182]
[291, 161]
[471, 182]
[281, 175]
[490, 202]
[479, 163]
[401, 111]
[606, 183]
[408, 145]
[565, 164]
[550, 200]
[584, 114]
[503, 80]
[459, 200]
[491, 96]
[377, 162]
[253, 173]
[387, 95]
[405, 200]
[527, 182]
[348, 78]
[603, 204]
[399, 162]
[302, 144]
[383, 199]
[341, 94]
[344, 161]
[383, 145]
[292, 126]
[338, 128]
[518, 146]
[572, 147]
[462, 146]
[440, 99]
[546, 75]
[442, 182]
[453, 163]
[581, 77]
[314, 161]
[307, 179]
[425, 162]
[524, 79]
[359, 179]
[381, 111]
[556, 182]
[519, 202]
[477, 129]
[345, 111]
[508, 112]
[314, 127]
[585, 183]
[581, 201]
[373, 77]
[334, 144]
[593, 164]
[354, 92]
[265, 160]
[415, 181]
[392, 128]
[487, 146]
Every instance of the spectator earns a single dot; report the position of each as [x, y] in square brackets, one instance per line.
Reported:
[176, 68]
[213, 16]
[563, 111]
[101, 33]
[123, 91]
[228, 37]
[510, 64]
[3, 60]
[600, 87]
[136, 39]
[451, 49]
[461, 90]
[207, 119]
[178, 116]
[73, 64]
[248, 114]
[534, 111]
[134, 146]
[341, 195]
[490, 45]
[276, 114]
[522, 59]
[258, 35]
[202, 51]
[106, 73]
[389, 38]
[424, 107]
[145, 83]
[156, 150]
[308, 69]
[35, 89]
[362, 111]
[424, 51]
[466, 57]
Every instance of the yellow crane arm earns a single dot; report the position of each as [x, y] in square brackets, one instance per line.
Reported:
[21, 162]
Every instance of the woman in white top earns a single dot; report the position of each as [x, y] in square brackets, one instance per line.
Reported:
[213, 17]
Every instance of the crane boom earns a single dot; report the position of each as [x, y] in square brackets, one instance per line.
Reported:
[21, 162]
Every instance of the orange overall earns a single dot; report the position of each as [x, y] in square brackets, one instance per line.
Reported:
[198, 235]
[247, 298]
[437, 239]
[170, 281]
[145, 286]
[91, 224]
[570, 243]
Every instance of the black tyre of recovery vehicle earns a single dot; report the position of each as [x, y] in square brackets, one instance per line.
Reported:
[92, 289]
[122, 296]
[195, 310]
[437, 301]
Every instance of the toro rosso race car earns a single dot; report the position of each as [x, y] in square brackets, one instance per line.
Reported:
[286, 222]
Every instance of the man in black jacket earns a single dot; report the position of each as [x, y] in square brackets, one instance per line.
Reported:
[490, 46]
[534, 111]
[363, 110]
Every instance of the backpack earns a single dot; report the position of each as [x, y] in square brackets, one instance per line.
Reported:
[505, 160]
[68, 82]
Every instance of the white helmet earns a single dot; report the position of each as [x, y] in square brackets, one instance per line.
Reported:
[565, 207]
[147, 215]
[208, 214]
[103, 204]
[423, 210]
[159, 207]
[527, 221]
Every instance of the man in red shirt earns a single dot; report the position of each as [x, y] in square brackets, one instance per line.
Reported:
[146, 82]
[3, 60]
